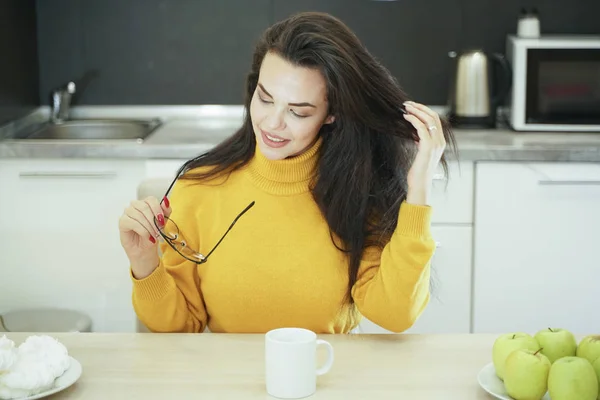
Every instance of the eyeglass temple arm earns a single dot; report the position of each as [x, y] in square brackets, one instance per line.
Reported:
[230, 226]
[180, 172]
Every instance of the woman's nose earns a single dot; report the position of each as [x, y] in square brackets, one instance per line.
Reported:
[274, 120]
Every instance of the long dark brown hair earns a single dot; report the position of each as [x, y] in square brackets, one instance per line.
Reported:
[366, 152]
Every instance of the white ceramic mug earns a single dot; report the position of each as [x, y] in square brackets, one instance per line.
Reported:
[290, 362]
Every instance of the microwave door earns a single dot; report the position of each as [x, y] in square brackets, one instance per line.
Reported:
[563, 87]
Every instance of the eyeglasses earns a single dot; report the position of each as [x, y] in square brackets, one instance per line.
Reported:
[175, 238]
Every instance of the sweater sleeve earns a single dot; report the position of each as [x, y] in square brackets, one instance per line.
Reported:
[392, 287]
[170, 298]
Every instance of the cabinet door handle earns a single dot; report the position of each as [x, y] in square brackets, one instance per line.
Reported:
[548, 182]
[438, 245]
[439, 177]
[68, 174]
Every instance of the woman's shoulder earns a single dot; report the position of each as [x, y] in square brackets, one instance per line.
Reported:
[200, 180]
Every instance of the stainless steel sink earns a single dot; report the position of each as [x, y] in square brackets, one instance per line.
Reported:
[91, 129]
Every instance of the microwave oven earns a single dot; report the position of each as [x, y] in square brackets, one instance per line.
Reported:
[555, 83]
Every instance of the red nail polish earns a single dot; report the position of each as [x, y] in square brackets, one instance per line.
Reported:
[152, 239]
[166, 201]
[161, 219]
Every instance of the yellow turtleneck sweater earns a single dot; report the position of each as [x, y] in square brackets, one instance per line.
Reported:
[278, 267]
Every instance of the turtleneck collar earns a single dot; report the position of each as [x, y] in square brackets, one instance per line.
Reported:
[284, 177]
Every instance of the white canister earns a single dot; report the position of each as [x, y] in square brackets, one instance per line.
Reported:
[529, 24]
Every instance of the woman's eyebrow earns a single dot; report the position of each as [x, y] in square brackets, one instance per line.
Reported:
[305, 104]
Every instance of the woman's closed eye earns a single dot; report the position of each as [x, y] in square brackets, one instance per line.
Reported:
[291, 110]
[298, 115]
[263, 100]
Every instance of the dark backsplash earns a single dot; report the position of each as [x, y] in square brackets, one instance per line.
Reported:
[199, 51]
[19, 89]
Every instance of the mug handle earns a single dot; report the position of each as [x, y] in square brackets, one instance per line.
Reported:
[329, 363]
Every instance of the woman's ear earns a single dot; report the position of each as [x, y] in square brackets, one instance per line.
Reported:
[329, 119]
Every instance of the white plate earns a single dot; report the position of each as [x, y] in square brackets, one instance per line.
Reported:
[493, 385]
[69, 377]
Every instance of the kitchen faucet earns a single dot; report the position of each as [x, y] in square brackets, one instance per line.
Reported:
[60, 103]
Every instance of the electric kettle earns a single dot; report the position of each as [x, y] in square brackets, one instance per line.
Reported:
[474, 96]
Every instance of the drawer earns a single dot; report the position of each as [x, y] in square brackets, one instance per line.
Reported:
[452, 195]
[564, 174]
[165, 168]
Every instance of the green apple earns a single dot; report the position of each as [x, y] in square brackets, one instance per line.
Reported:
[556, 343]
[506, 344]
[572, 378]
[589, 348]
[526, 374]
[596, 366]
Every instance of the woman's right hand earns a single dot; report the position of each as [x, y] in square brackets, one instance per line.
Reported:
[139, 234]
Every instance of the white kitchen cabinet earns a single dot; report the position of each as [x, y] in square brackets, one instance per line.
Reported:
[164, 168]
[536, 261]
[452, 195]
[59, 239]
[449, 309]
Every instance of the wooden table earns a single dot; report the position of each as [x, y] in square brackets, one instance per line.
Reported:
[231, 366]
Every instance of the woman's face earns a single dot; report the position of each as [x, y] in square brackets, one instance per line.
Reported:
[288, 108]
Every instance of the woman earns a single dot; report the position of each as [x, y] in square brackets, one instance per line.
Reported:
[332, 175]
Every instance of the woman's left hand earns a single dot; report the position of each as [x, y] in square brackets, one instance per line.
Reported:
[431, 148]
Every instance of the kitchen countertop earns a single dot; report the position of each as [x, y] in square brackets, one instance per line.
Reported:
[189, 131]
[231, 366]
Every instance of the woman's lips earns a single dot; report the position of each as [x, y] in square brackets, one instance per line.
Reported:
[277, 143]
